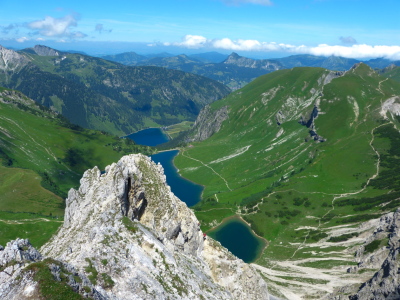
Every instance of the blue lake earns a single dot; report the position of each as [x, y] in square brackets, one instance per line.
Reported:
[187, 191]
[184, 189]
[233, 234]
[237, 236]
[149, 137]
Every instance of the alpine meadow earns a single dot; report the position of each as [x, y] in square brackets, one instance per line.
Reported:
[209, 150]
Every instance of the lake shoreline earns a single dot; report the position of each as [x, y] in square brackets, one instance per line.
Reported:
[225, 222]
[179, 150]
[186, 190]
[251, 246]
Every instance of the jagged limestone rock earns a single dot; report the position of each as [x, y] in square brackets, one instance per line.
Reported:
[128, 232]
[13, 258]
[385, 283]
[11, 61]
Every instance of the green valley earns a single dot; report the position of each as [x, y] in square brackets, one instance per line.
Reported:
[304, 155]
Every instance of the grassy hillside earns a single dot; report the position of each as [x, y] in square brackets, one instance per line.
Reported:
[42, 157]
[392, 72]
[295, 179]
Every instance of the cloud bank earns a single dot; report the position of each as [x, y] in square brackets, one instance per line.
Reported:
[352, 51]
[57, 27]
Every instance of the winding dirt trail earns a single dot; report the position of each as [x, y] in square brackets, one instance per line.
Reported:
[25, 221]
[205, 165]
[275, 271]
[339, 196]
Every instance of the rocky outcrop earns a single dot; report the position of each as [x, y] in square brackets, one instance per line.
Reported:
[377, 253]
[328, 77]
[20, 265]
[11, 61]
[126, 236]
[208, 122]
[311, 125]
[45, 51]
[385, 284]
[13, 258]
[391, 106]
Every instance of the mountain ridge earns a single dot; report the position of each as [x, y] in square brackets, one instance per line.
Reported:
[243, 70]
[127, 233]
[98, 94]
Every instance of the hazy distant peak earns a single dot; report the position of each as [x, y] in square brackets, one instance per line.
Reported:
[45, 51]
[234, 55]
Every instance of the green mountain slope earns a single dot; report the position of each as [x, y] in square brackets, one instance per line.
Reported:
[302, 153]
[127, 58]
[99, 94]
[392, 72]
[42, 157]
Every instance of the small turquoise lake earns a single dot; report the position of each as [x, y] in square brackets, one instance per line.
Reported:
[149, 137]
[237, 236]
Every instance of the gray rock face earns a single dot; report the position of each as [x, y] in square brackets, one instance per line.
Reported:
[208, 122]
[13, 258]
[45, 51]
[18, 252]
[11, 61]
[126, 229]
[385, 283]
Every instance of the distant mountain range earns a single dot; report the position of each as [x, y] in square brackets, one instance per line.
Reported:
[236, 71]
[104, 95]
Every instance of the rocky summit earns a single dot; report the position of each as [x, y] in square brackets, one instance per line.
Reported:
[127, 236]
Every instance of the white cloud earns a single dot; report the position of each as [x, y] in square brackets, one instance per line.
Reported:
[353, 51]
[22, 39]
[258, 2]
[190, 41]
[57, 27]
[357, 51]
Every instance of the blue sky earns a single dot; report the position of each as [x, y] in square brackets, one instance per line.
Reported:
[351, 28]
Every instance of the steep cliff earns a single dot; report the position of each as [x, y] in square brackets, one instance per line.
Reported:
[10, 61]
[132, 238]
[208, 122]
